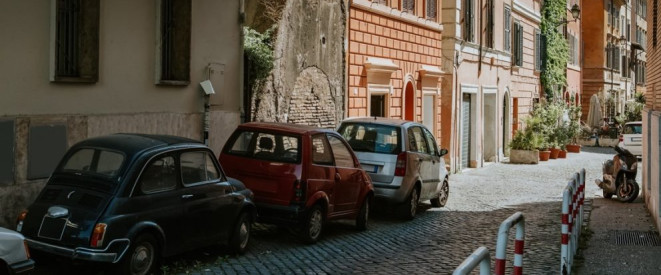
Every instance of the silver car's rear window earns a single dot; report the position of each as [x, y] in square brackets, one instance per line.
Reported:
[376, 138]
[632, 129]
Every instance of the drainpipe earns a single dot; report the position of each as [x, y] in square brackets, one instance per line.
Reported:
[479, 64]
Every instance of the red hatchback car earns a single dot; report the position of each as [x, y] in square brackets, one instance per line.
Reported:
[301, 176]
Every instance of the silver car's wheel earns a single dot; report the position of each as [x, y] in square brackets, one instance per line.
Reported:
[411, 206]
[442, 197]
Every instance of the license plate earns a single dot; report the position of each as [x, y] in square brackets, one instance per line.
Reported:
[370, 168]
[52, 228]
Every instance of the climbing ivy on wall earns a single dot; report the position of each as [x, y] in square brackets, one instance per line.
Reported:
[556, 52]
[258, 52]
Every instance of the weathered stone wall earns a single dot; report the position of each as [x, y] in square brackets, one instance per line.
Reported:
[309, 65]
[22, 192]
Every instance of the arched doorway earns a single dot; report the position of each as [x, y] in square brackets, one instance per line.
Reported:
[409, 102]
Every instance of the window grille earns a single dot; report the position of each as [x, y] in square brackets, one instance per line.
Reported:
[408, 6]
[469, 18]
[175, 31]
[507, 41]
[76, 45]
[431, 9]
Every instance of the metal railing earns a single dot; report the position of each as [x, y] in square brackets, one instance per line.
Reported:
[573, 198]
[482, 258]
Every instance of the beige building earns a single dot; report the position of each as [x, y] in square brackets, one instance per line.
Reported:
[491, 59]
[76, 69]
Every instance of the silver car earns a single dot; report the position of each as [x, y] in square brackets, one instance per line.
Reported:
[14, 253]
[403, 160]
[632, 138]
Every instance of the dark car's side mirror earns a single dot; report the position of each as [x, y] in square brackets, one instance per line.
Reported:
[443, 152]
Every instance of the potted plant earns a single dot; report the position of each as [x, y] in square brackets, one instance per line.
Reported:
[524, 144]
[574, 129]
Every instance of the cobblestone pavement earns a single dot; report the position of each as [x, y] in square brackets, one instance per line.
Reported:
[436, 241]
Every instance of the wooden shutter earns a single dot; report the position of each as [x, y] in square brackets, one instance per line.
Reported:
[507, 42]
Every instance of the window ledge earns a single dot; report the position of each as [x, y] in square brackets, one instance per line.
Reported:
[73, 79]
[173, 82]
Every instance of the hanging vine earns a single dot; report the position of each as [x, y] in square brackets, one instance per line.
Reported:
[556, 51]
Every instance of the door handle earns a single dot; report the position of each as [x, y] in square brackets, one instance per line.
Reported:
[187, 196]
[338, 177]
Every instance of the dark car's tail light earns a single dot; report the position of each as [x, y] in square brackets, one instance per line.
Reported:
[27, 250]
[19, 220]
[98, 234]
[400, 166]
[299, 191]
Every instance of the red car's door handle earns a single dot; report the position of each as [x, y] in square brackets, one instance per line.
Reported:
[338, 177]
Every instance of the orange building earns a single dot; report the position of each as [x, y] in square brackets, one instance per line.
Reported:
[394, 60]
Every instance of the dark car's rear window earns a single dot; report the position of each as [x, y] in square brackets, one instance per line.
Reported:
[94, 161]
[633, 129]
[367, 137]
[266, 146]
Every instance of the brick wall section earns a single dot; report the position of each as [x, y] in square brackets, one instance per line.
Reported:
[408, 45]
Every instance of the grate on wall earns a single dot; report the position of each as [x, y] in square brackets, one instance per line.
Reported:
[636, 238]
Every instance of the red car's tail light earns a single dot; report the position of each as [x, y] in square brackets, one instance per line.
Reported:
[621, 138]
[98, 234]
[400, 166]
[299, 190]
[27, 250]
[19, 220]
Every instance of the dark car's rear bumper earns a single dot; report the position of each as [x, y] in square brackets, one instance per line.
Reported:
[111, 254]
[280, 214]
[21, 267]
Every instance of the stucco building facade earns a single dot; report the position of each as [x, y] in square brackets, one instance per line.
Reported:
[491, 60]
[71, 72]
[394, 61]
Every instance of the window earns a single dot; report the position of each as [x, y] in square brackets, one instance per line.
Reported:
[366, 137]
[431, 142]
[197, 167]
[539, 50]
[174, 44]
[488, 33]
[321, 153]
[159, 176]
[76, 53]
[432, 9]
[625, 72]
[469, 18]
[517, 52]
[382, 2]
[507, 41]
[609, 55]
[573, 49]
[408, 6]
[417, 141]
[378, 105]
[265, 146]
[654, 21]
[341, 153]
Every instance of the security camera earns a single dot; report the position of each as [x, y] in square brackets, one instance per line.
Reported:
[207, 87]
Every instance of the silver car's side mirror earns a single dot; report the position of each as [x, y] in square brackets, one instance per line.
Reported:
[443, 152]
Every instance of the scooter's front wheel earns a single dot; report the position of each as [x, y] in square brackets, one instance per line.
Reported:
[627, 191]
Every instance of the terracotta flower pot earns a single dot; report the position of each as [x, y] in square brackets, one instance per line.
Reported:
[573, 148]
[562, 154]
[544, 155]
[554, 153]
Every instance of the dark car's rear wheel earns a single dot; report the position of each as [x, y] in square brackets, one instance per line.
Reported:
[442, 198]
[313, 225]
[363, 215]
[410, 207]
[241, 234]
[142, 256]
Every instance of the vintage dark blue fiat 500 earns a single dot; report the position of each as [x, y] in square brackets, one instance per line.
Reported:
[130, 199]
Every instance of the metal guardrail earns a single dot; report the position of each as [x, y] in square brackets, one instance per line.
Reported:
[573, 197]
[482, 257]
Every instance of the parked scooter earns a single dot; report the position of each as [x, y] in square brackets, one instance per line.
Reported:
[619, 176]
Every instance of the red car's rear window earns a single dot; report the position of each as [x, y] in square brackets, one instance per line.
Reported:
[265, 146]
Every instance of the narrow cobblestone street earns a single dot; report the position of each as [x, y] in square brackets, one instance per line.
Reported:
[437, 241]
